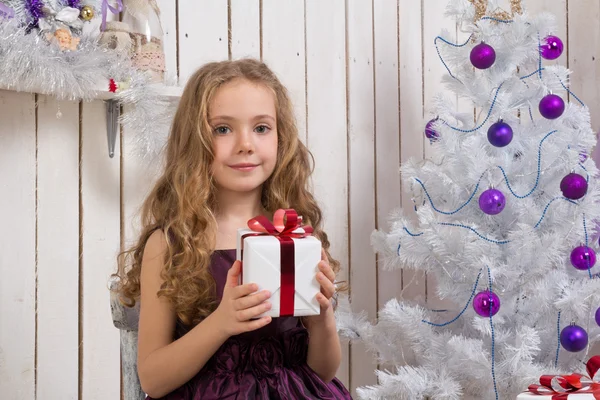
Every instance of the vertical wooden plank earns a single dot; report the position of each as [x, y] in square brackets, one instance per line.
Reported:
[18, 237]
[168, 19]
[100, 230]
[388, 134]
[411, 114]
[283, 49]
[361, 163]
[202, 34]
[583, 46]
[326, 97]
[138, 178]
[245, 29]
[58, 249]
[434, 22]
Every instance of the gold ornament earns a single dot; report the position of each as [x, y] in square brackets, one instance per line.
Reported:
[87, 13]
[481, 10]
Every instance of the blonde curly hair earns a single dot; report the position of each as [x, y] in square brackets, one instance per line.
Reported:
[182, 203]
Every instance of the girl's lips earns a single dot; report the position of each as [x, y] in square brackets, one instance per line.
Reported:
[244, 167]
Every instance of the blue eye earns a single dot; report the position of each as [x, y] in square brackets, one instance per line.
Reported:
[221, 130]
[262, 129]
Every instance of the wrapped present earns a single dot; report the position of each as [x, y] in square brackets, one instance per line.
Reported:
[282, 257]
[573, 396]
[567, 387]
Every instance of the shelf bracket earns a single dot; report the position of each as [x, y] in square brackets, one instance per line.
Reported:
[113, 111]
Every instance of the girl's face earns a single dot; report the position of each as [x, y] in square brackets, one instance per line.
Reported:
[243, 119]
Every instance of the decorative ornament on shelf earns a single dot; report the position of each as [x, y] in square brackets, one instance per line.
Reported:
[116, 87]
[61, 25]
[483, 56]
[116, 37]
[573, 186]
[486, 303]
[552, 47]
[583, 257]
[431, 133]
[145, 29]
[492, 201]
[573, 338]
[552, 106]
[64, 39]
[6, 11]
[87, 13]
[500, 134]
[499, 14]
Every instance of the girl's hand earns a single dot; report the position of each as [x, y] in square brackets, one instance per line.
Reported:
[326, 278]
[240, 304]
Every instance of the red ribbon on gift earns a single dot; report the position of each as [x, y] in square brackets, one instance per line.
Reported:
[286, 225]
[560, 386]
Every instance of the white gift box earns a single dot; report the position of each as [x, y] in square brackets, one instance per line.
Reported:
[261, 264]
[574, 396]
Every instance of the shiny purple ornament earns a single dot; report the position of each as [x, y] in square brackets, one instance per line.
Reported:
[430, 132]
[597, 316]
[583, 258]
[500, 134]
[573, 186]
[583, 157]
[483, 56]
[573, 338]
[486, 303]
[551, 48]
[35, 9]
[552, 106]
[492, 202]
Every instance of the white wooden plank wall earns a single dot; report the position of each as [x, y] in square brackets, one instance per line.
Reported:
[361, 75]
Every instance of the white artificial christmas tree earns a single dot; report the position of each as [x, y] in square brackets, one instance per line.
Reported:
[507, 203]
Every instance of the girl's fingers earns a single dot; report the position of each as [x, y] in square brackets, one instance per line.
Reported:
[327, 287]
[323, 301]
[327, 271]
[251, 300]
[249, 313]
[257, 323]
[243, 290]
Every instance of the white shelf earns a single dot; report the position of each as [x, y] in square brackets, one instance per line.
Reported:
[102, 92]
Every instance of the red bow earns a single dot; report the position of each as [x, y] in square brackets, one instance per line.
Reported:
[286, 222]
[286, 226]
[560, 386]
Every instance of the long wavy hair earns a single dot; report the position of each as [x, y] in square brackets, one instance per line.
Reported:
[182, 203]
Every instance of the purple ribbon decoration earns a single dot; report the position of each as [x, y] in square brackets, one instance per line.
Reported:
[6, 11]
[114, 10]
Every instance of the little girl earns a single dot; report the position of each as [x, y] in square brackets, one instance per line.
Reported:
[233, 153]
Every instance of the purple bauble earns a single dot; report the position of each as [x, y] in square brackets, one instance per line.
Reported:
[430, 132]
[551, 48]
[583, 157]
[492, 202]
[483, 56]
[573, 186]
[597, 316]
[583, 257]
[573, 338]
[500, 134]
[552, 106]
[486, 303]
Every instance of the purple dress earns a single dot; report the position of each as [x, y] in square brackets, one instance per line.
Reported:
[269, 363]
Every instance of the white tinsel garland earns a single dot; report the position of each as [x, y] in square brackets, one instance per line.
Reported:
[29, 63]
